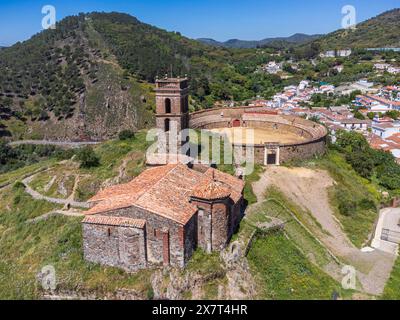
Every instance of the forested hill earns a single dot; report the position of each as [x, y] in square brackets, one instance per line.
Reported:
[296, 39]
[92, 76]
[89, 78]
[380, 31]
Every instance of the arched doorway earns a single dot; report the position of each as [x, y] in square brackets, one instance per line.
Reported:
[236, 123]
[167, 125]
[168, 105]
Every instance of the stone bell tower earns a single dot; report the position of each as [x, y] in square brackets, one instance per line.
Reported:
[172, 111]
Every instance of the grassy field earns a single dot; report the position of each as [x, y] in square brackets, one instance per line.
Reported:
[26, 247]
[112, 153]
[289, 265]
[250, 179]
[286, 265]
[281, 207]
[283, 272]
[351, 188]
[392, 289]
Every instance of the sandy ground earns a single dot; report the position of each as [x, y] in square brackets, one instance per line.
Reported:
[309, 189]
[260, 136]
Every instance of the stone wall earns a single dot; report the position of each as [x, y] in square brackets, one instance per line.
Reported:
[302, 151]
[216, 223]
[156, 228]
[220, 225]
[189, 237]
[122, 247]
[287, 153]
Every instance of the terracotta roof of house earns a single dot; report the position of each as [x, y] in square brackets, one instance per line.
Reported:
[383, 100]
[395, 138]
[378, 143]
[115, 221]
[165, 191]
[356, 121]
[384, 125]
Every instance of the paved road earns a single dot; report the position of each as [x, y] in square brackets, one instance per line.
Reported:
[389, 219]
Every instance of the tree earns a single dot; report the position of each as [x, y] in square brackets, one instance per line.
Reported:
[371, 115]
[126, 135]
[362, 163]
[350, 141]
[6, 152]
[359, 115]
[394, 114]
[88, 158]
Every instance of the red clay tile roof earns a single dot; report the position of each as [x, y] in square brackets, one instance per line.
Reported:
[236, 185]
[115, 221]
[383, 100]
[209, 189]
[395, 138]
[164, 191]
[378, 143]
[136, 186]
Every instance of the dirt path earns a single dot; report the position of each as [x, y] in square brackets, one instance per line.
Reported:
[36, 195]
[69, 144]
[67, 213]
[309, 189]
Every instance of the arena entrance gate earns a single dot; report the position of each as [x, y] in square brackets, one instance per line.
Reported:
[271, 154]
[236, 123]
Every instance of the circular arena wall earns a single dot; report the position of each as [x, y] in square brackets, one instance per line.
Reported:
[311, 142]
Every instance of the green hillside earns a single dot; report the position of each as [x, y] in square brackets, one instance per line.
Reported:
[92, 76]
[380, 31]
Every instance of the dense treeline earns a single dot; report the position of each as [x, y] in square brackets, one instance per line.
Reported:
[51, 73]
[367, 162]
[12, 158]
[381, 31]
[215, 73]
[45, 73]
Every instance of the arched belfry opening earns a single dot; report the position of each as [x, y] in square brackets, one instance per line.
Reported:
[167, 125]
[168, 105]
[172, 96]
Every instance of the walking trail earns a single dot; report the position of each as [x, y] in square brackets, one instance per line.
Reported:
[68, 144]
[69, 202]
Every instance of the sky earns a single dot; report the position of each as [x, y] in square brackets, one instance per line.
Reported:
[217, 19]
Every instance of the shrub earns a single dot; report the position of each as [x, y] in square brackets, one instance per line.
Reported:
[61, 154]
[88, 158]
[367, 204]
[150, 293]
[126, 135]
[18, 185]
[347, 206]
